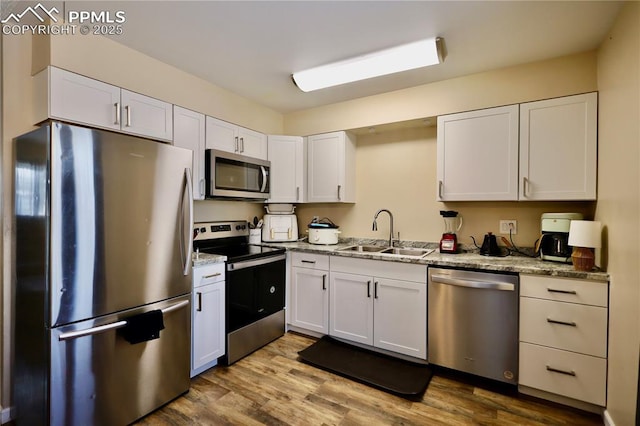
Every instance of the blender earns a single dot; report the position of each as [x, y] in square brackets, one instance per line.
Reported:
[452, 224]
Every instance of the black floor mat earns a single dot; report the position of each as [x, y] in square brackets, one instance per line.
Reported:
[397, 376]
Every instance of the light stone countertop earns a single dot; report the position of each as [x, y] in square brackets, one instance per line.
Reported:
[206, 259]
[469, 260]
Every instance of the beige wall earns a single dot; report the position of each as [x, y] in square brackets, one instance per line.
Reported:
[619, 204]
[539, 80]
[397, 170]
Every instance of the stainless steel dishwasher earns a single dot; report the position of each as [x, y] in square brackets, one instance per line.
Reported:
[473, 322]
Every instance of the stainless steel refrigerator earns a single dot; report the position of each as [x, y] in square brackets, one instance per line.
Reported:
[103, 275]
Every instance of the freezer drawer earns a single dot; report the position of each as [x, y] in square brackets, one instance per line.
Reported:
[473, 322]
[101, 379]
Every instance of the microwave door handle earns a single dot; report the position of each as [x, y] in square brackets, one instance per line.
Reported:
[263, 169]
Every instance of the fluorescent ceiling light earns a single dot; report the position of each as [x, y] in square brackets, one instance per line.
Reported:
[401, 58]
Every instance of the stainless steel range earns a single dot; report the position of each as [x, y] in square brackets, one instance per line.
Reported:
[255, 286]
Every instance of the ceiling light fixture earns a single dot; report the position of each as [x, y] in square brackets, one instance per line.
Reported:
[396, 59]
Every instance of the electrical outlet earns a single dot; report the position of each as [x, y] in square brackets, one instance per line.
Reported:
[509, 225]
[315, 219]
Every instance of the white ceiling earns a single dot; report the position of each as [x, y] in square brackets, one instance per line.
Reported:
[252, 47]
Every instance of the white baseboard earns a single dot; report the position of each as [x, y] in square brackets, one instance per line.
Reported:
[6, 415]
[608, 421]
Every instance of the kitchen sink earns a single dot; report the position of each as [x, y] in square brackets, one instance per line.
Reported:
[407, 251]
[363, 249]
[416, 253]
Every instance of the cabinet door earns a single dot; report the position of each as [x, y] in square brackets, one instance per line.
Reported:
[252, 143]
[83, 100]
[478, 155]
[351, 307]
[188, 132]
[146, 116]
[310, 299]
[208, 336]
[400, 316]
[558, 148]
[286, 154]
[222, 135]
[326, 167]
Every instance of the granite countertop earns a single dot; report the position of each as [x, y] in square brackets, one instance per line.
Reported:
[472, 260]
[200, 259]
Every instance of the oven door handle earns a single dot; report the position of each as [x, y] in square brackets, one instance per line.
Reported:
[254, 262]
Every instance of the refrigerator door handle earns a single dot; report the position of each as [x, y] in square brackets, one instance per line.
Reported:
[189, 235]
[114, 325]
[91, 331]
[175, 307]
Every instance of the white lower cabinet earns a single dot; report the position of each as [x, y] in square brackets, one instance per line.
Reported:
[309, 307]
[377, 303]
[208, 317]
[563, 337]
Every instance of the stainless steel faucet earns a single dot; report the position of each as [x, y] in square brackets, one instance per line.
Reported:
[375, 224]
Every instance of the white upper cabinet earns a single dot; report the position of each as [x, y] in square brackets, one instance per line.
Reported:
[287, 157]
[543, 150]
[145, 116]
[188, 132]
[63, 95]
[331, 168]
[252, 143]
[558, 148]
[478, 155]
[80, 99]
[235, 139]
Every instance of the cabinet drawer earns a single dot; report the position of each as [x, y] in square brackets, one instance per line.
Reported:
[565, 289]
[573, 375]
[310, 260]
[569, 326]
[380, 269]
[208, 274]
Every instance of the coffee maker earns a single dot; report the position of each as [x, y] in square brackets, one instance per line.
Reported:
[554, 242]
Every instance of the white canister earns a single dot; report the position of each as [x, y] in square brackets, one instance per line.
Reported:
[255, 236]
[323, 235]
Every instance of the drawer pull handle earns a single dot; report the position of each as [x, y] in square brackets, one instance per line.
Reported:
[217, 274]
[555, 290]
[324, 281]
[557, 370]
[313, 262]
[570, 323]
[368, 288]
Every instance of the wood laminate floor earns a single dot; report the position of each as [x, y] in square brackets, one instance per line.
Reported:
[270, 387]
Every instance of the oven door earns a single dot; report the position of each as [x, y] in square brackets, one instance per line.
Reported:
[255, 289]
[236, 176]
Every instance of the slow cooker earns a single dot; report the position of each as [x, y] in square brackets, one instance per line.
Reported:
[323, 231]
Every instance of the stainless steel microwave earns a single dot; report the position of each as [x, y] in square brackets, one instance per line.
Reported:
[230, 175]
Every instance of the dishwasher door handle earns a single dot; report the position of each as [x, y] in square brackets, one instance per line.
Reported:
[484, 285]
